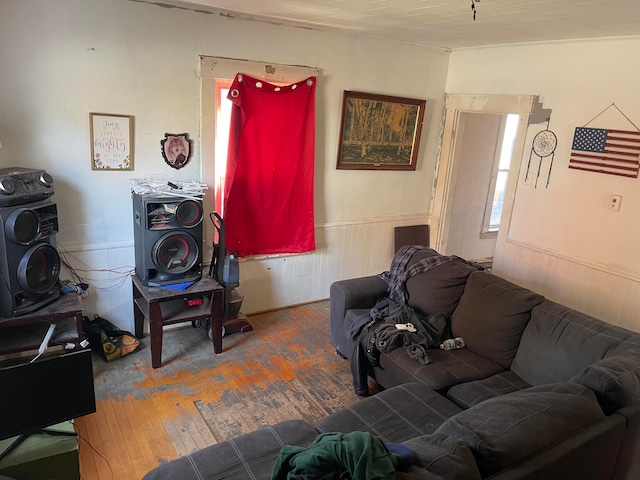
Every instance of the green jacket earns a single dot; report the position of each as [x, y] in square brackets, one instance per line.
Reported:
[363, 456]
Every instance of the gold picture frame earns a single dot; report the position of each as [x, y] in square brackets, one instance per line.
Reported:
[111, 141]
[379, 132]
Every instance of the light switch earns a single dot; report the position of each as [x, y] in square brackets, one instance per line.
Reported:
[614, 203]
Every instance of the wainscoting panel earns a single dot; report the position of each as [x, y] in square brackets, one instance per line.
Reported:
[343, 250]
[610, 294]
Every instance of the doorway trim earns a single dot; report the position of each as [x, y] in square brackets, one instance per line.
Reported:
[455, 105]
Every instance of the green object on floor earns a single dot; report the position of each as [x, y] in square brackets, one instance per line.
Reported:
[43, 457]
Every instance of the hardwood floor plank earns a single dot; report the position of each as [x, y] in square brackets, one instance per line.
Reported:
[118, 455]
[85, 427]
[168, 426]
[285, 368]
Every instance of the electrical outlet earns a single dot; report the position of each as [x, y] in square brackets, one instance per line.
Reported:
[614, 202]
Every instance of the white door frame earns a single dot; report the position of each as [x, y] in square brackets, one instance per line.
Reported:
[455, 105]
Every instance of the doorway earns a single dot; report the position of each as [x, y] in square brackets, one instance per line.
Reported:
[482, 158]
[471, 143]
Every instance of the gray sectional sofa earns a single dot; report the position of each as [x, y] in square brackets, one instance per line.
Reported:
[518, 344]
[540, 391]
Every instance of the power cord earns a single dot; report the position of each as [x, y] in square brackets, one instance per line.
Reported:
[117, 276]
[84, 439]
[45, 342]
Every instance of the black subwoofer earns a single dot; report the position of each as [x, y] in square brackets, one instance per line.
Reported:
[29, 261]
[168, 239]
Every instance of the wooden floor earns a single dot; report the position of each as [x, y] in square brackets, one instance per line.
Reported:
[285, 368]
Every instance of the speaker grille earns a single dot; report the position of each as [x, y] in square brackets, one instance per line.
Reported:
[22, 226]
[29, 261]
[189, 213]
[175, 253]
[39, 269]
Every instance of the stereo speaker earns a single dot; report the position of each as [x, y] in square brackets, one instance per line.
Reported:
[29, 261]
[168, 239]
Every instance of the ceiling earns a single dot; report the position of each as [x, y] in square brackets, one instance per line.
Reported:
[442, 23]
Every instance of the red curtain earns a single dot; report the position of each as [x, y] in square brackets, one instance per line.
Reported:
[269, 185]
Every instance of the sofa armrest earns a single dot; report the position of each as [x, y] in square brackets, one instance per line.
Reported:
[590, 453]
[358, 295]
[251, 455]
[362, 292]
[628, 463]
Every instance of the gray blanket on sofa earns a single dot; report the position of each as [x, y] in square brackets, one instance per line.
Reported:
[398, 274]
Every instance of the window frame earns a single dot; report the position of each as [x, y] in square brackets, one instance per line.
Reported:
[488, 230]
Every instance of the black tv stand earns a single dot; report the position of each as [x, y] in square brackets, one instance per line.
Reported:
[21, 438]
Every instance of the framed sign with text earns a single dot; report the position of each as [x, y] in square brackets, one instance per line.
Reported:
[111, 141]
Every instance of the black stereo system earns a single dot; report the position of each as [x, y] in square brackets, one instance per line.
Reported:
[29, 261]
[168, 239]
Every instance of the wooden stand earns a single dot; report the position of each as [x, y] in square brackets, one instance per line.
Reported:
[26, 332]
[164, 306]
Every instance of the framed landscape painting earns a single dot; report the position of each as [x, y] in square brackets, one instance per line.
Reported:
[379, 132]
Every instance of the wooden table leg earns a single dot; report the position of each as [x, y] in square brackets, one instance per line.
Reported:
[217, 314]
[155, 331]
[138, 316]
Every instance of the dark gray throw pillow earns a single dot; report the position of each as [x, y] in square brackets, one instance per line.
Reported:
[492, 315]
[503, 431]
[615, 380]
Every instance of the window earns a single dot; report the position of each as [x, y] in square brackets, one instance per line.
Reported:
[222, 123]
[500, 175]
[223, 117]
[216, 76]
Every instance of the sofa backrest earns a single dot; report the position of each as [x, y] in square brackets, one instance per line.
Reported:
[491, 316]
[558, 342]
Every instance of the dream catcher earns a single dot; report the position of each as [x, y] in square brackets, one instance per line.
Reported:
[473, 8]
[543, 145]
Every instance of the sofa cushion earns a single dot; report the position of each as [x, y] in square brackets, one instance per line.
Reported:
[394, 415]
[558, 342]
[491, 316]
[615, 380]
[467, 394]
[252, 455]
[438, 290]
[445, 368]
[502, 431]
[442, 455]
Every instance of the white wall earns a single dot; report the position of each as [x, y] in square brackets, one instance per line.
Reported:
[61, 60]
[563, 240]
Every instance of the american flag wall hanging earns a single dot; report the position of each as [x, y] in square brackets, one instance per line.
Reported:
[599, 150]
